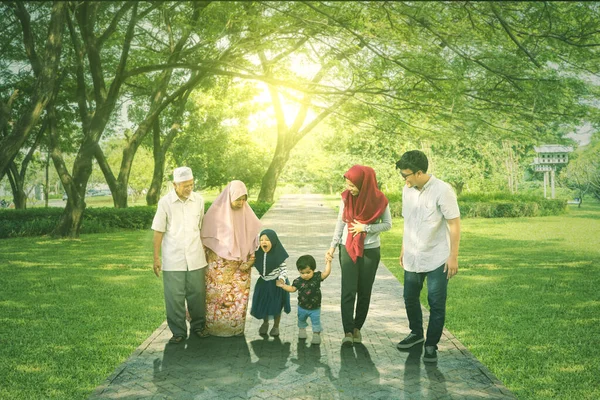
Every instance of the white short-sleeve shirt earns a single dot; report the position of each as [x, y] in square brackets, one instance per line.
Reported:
[426, 238]
[180, 221]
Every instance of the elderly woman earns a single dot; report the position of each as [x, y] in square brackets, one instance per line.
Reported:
[230, 237]
[364, 213]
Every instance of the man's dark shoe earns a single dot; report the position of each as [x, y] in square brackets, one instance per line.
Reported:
[410, 341]
[176, 339]
[430, 355]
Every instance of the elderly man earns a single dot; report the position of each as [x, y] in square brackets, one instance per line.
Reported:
[176, 228]
[429, 248]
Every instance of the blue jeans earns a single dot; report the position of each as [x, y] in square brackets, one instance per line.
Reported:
[437, 288]
[315, 318]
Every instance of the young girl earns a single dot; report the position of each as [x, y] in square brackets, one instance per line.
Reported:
[269, 300]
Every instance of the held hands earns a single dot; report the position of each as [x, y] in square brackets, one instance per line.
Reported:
[279, 283]
[245, 266]
[329, 254]
[356, 228]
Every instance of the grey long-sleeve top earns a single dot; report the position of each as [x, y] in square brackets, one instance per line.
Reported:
[383, 223]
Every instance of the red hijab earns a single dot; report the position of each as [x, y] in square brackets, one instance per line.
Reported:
[365, 208]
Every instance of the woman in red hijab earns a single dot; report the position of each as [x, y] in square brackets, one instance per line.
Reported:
[364, 213]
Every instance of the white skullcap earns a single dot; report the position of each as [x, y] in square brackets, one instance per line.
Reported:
[182, 174]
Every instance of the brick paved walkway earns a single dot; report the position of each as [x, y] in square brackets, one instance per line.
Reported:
[253, 367]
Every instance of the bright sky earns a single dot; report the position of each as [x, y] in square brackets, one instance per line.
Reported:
[299, 65]
[262, 118]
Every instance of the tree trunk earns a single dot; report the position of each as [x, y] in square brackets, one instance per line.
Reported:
[70, 221]
[160, 149]
[153, 194]
[75, 186]
[120, 198]
[118, 194]
[46, 179]
[269, 181]
[17, 186]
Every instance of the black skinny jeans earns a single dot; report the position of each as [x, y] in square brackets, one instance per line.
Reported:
[357, 284]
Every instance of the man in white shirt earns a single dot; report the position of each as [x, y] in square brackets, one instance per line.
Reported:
[176, 228]
[429, 248]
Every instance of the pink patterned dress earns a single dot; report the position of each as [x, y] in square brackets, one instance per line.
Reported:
[227, 294]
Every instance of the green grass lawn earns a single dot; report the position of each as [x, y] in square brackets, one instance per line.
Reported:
[526, 301]
[72, 310]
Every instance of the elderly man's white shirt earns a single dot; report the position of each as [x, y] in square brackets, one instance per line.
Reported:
[426, 234]
[181, 222]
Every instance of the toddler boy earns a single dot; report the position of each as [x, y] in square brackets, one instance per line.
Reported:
[308, 286]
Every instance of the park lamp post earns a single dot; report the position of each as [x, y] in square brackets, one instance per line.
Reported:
[549, 156]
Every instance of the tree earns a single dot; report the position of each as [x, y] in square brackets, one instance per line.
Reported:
[96, 99]
[44, 68]
[469, 74]
[582, 174]
[216, 142]
[16, 173]
[159, 98]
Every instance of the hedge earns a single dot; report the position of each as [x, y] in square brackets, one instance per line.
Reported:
[42, 221]
[494, 205]
[508, 209]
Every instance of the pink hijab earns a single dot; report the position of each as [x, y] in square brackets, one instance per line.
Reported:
[231, 234]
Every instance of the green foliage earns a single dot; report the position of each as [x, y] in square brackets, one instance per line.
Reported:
[506, 205]
[458, 79]
[216, 142]
[582, 174]
[395, 203]
[42, 221]
[260, 207]
[512, 209]
[494, 205]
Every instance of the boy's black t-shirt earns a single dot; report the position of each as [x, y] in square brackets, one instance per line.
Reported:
[309, 292]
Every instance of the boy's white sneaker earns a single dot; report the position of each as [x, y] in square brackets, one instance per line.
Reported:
[302, 333]
[316, 339]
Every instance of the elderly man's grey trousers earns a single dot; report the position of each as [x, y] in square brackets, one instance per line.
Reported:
[182, 286]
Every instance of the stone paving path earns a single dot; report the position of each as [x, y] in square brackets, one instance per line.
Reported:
[253, 367]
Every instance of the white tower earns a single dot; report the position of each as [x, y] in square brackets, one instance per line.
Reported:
[549, 156]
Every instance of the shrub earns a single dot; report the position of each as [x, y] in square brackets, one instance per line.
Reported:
[495, 205]
[511, 209]
[42, 221]
[259, 207]
[395, 203]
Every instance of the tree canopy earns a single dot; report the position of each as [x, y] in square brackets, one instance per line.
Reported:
[476, 84]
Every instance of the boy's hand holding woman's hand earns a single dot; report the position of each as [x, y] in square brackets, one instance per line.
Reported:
[329, 254]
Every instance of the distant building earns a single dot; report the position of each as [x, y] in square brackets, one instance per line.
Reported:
[549, 156]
